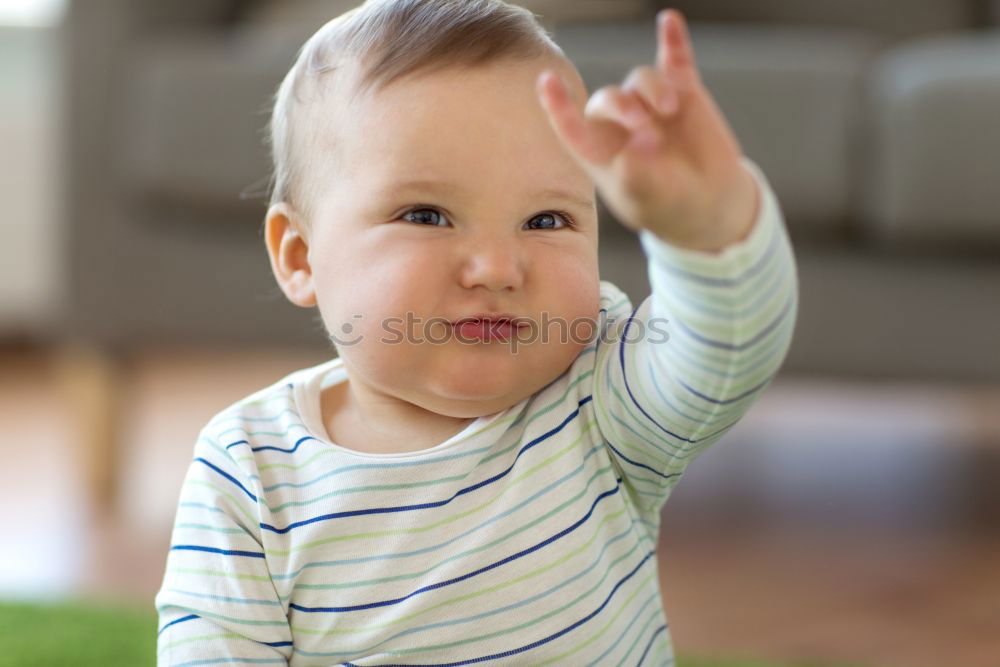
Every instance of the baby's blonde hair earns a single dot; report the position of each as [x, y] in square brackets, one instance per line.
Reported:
[390, 39]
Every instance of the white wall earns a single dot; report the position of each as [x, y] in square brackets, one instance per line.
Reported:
[30, 189]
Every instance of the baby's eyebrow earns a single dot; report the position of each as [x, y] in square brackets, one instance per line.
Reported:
[446, 187]
[553, 193]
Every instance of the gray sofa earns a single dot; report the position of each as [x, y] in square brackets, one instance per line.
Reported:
[878, 125]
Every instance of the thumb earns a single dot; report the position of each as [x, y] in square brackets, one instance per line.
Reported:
[592, 141]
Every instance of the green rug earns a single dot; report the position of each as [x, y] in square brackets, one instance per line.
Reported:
[103, 634]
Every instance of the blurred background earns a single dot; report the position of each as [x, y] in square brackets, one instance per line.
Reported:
[852, 517]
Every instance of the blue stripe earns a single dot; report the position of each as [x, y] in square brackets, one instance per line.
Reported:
[459, 537]
[649, 645]
[666, 401]
[536, 644]
[621, 354]
[290, 450]
[724, 307]
[726, 282]
[742, 346]
[715, 433]
[648, 440]
[424, 461]
[628, 388]
[225, 552]
[653, 436]
[175, 622]
[635, 620]
[227, 476]
[727, 400]
[439, 503]
[226, 598]
[586, 574]
[441, 584]
[642, 465]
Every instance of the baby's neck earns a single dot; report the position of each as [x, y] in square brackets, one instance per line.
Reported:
[384, 425]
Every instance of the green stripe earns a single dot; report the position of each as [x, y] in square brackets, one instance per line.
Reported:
[622, 606]
[653, 618]
[436, 525]
[535, 573]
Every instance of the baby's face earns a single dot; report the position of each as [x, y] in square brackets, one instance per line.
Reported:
[445, 200]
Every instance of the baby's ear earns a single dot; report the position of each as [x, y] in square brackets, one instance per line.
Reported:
[288, 251]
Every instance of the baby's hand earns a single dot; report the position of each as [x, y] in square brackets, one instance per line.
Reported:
[658, 148]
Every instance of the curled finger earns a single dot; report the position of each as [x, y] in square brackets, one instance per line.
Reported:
[654, 88]
[612, 103]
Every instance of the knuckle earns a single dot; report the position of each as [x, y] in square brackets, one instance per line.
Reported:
[645, 82]
[641, 74]
[607, 97]
[605, 92]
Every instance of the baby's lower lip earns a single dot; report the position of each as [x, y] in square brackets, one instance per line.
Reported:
[485, 330]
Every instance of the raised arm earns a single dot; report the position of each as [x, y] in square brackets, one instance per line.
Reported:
[691, 359]
[679, 371]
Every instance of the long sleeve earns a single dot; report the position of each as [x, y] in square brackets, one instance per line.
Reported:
[218, 602]
[678, 372]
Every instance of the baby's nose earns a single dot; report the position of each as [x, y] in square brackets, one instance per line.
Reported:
[494, 264]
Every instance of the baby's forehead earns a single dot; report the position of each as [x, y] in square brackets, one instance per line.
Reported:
[431, 119]
[351, 84]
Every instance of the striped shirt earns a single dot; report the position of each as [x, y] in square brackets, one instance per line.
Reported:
[528, 538]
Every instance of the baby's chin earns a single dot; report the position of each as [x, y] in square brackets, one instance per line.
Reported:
[482, 388]
[479, 385]
[469, 407]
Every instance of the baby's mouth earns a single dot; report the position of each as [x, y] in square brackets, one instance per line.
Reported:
[488, 327]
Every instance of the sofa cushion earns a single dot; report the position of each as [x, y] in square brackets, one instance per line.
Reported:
[931, 161]
[315, 13]
[551, 12]
[790, 95]
[304, 13]
[193, 118]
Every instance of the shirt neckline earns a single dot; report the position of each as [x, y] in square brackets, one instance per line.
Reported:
[307, 390]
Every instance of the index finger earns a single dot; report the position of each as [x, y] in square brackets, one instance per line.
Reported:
[673, 42]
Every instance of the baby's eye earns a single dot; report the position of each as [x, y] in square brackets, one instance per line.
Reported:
[432, 217]
[426, 216]
[549, 221]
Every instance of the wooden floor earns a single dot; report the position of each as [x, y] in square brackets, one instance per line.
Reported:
[838, 521]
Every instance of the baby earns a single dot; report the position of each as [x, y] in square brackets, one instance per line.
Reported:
[477, 477]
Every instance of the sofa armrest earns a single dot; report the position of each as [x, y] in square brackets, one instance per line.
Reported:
[100, 38]
[193, 120]
[930, 169]
[894, 18]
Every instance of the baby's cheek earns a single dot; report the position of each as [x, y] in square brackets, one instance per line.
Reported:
[575, 283]
[580, 308]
